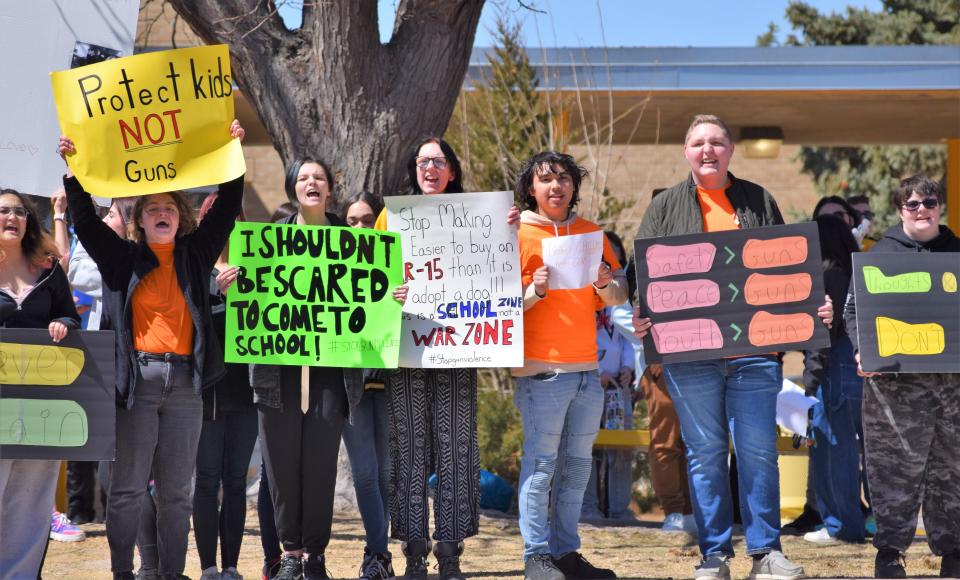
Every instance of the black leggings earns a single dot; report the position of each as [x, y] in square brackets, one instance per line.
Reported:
[300, 452]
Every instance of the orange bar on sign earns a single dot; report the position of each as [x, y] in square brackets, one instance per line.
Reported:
[768, 329]
[762, 289]
[775, 253]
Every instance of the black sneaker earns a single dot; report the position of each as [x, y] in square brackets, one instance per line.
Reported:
[291, 568]
[807, 521]
[124, 576]
[315, 568]
[889, 564]
[376, 566]
[574, 565]
[950, 565]
[270, 569]
[541, 567]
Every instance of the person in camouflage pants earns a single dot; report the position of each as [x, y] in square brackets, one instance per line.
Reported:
[911, 428]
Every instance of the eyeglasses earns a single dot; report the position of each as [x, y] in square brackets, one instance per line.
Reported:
[20, 211]
[867, 214]
[914, 205]
[439, 162]
[155, 210]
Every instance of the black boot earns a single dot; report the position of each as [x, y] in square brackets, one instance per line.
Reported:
[448, 558]
[889, 564]
[950, 565]
[416, 553]
[315, 567]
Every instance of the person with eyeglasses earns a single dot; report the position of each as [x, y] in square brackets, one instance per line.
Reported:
[861, 203]
[433, 420]
[34, 293]
[911, 421]
[156, 293]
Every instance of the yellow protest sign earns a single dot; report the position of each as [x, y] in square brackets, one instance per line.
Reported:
[150, 123]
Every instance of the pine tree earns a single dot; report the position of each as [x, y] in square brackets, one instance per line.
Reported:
[872, 170]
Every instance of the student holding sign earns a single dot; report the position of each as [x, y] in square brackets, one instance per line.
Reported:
[558, 388]
[911, 421]
[34, 293]
[156, 291]
[727, 397]
[302, 411]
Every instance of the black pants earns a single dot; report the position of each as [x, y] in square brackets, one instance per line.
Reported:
[300, 452]
[269, 540]
[81, 484]
[223, 457]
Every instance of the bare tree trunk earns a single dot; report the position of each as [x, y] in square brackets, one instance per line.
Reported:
[331, 89]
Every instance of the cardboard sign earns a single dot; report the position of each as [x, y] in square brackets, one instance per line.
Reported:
[150, 123]
[731, 293]
[908, 311]
[57, 401]
[462, 265]
[573, 260]
[37, 37]
[314, 296]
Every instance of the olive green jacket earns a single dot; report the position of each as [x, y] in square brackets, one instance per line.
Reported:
[676, 211]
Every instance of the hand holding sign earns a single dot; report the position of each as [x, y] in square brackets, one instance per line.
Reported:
[573, 260]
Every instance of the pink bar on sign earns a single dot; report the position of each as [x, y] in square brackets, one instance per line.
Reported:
[687, 335]
[670, 296]
[675, 260]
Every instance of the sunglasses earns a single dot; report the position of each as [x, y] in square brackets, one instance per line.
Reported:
[439, 162]
[20, 212]
[914, 205]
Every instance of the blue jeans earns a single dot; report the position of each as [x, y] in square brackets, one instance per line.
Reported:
[368, 441]
[717, 400]
[617, 469]
[837, 423]
[561, 415]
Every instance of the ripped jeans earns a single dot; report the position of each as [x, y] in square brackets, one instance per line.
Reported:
[561, 415]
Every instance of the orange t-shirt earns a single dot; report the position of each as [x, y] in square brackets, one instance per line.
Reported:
[561, 328]
[716, 209]
[161, 320]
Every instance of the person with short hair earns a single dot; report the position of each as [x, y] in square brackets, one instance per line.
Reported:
[725, 398]
[911, 421]
[558, 389]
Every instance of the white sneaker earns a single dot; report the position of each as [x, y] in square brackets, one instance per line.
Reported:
[690, 525]
[775, 566]
[822, 537]
[713, 568]
[210, 573]
[673, 523]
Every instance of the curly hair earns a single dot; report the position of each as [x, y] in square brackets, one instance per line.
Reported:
[543, 162]
[188, 217]
[37, 244]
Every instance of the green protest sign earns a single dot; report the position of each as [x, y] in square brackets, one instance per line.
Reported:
[314, 296]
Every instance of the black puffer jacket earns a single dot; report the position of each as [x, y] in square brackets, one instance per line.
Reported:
[49, 300]
[123, 264]
[896, 240]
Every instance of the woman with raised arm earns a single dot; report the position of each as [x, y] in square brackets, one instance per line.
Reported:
[156, 292]
[34, 293]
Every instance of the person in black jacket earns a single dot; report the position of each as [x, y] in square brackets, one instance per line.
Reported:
[911, 421]
[156, 292]
[34, 293]
[302, 411]
[830, 375]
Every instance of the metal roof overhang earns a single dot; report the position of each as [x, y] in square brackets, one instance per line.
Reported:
[836, 95]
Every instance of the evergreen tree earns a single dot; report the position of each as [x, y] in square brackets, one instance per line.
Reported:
[872, 170]
[503, 120]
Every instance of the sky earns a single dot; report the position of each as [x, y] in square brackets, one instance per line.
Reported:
[628, 22]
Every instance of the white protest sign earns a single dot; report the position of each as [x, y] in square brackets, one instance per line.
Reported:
[464, 306]
[36, 38]
[573, 260]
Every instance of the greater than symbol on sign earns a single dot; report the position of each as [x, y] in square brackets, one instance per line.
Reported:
[737, 328]
[735, 290]
[730, 253]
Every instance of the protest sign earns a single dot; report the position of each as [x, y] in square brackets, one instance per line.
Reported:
[314, 296]
[150, 123]
[462, 265]
[573, 260]
[37, 37]
[57, 401]
[731, 293]
[908, 311]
